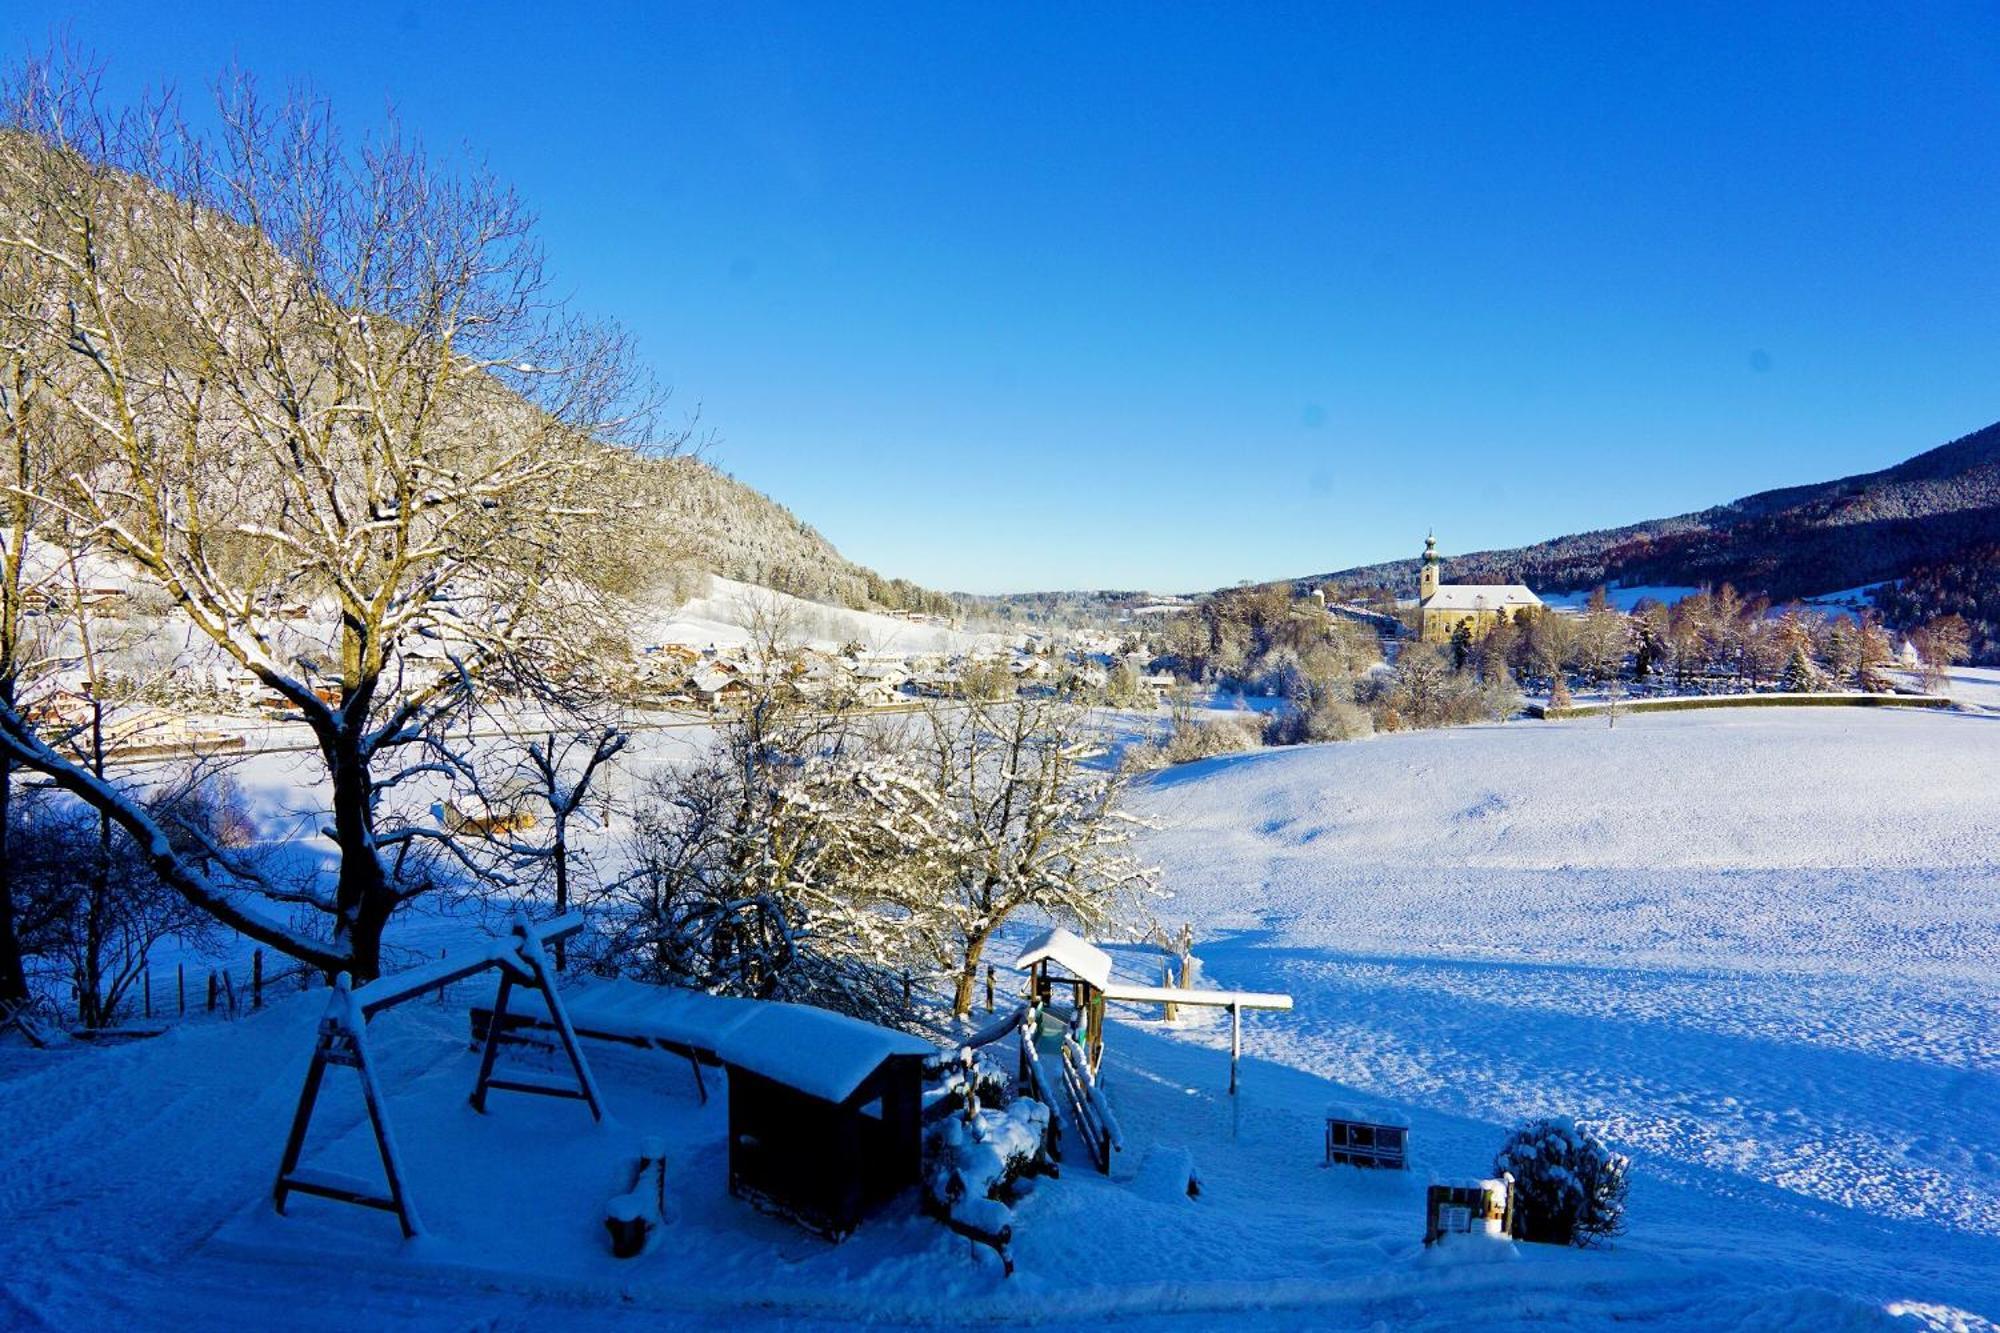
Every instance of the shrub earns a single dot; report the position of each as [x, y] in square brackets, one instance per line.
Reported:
[1569, 1188]
[1206, 739]
[1324, 718]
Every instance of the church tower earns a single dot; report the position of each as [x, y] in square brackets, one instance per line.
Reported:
[1427, 580]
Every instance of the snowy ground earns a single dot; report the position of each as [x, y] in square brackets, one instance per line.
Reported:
[1761, 949]
[723, 617]
[1758, 948]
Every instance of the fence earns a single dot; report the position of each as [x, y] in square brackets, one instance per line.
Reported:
[161, 997]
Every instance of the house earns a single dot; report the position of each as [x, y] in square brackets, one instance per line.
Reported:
[825, 1113]
[127, 729]
[716, 684]
[1443, 607]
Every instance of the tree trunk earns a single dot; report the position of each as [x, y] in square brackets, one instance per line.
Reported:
[92, 1009]
[968, 974]
[363, 898]
[13, 973]
[559, 853]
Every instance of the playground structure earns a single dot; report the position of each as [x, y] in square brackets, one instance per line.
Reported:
[343, 1042]
[1060, 960]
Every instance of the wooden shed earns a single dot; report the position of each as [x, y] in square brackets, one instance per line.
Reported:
[825, 1114]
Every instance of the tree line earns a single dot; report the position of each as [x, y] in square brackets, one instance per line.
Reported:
[1343, 678]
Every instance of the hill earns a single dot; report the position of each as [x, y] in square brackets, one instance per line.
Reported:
[721, 526]
[1796, 541]
[1486, 923]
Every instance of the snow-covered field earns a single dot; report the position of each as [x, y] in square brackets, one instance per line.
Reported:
[1761, 950]
[724, 615]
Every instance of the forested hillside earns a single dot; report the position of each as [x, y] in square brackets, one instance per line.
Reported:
[1792, 542]
[688, 518]
[724, 527]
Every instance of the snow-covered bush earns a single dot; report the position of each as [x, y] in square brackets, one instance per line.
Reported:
[978, 1078]
[1320, 716]
[1569, 1188]
[1204, 739]
[976, 1164]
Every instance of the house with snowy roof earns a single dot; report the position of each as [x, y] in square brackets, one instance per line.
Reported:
[1443, 607]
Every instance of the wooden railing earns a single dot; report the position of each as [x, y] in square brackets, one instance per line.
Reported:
[1088, 1108]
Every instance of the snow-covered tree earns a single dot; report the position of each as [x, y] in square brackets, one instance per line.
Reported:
[793, 859]
[1801, 676]
[1021, 818]
[310, 376]
[1569, 1188]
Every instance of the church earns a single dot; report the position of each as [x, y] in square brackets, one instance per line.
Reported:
[1443, 607]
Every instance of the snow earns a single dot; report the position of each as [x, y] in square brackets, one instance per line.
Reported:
[1757, 950]
[823, 1054]
[1760, 950]
[723, 617]
[1622, 598]
[627, 1008]
[1067, 951]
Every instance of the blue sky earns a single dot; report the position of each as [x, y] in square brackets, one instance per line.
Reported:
[1006, 297]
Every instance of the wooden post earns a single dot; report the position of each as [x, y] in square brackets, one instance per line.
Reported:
[212, 991]
[1172, 1012]
[441, 985]
[1235, 1043]
[181, 983]
[257, 979]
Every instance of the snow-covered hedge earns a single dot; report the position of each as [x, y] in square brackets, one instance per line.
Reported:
[1569, 1188]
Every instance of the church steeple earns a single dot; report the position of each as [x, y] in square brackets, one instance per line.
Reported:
[1427, 578]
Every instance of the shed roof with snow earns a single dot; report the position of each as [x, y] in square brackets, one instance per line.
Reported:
[820, 1053]
[1066, 950]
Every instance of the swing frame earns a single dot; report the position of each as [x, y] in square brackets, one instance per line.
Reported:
[342, 1042]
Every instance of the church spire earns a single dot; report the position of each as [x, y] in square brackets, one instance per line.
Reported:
[1427, 577]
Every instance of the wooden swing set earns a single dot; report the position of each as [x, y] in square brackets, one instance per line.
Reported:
[343, 1041]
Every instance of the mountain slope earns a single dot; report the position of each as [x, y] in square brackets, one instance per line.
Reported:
[694, 519]
[725, 527]
[1790, 542]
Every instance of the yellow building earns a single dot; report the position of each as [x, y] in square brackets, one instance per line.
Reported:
[1443, 607]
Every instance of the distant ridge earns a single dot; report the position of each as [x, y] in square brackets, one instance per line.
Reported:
[1792, 542]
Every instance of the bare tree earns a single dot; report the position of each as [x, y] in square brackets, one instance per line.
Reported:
[520, 836]
[320, 377]
[1941, 645]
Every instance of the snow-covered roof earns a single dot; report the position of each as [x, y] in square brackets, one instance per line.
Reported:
[1367, 1115]
[1479, 597]
[1060, 946]
[627, 1008]
[817, 1051]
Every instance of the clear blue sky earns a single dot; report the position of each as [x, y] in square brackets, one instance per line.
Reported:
[1004, 297]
